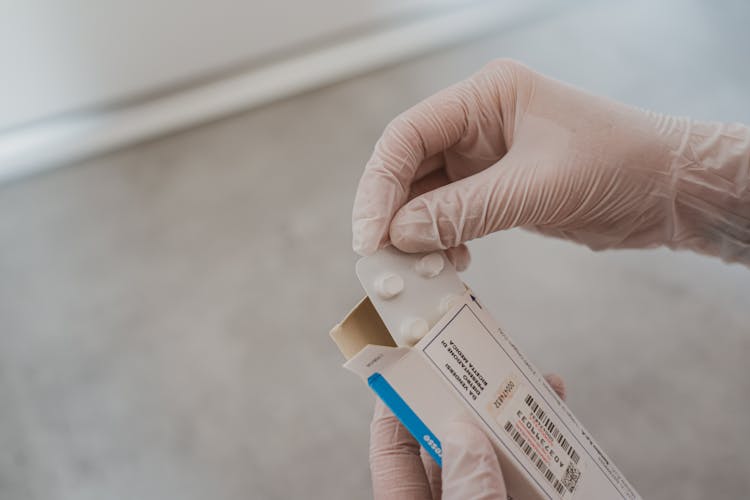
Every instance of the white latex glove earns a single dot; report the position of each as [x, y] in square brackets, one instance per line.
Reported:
[509, 147]
[401, 469]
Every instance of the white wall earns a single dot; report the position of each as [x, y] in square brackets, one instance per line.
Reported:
[79, 78]
[58, 56]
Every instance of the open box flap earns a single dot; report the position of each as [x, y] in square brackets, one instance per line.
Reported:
[365, 342]
[362, 326]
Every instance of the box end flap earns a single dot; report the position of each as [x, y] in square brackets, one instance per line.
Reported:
[361, 327]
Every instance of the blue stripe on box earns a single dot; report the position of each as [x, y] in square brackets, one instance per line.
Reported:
[408, 418]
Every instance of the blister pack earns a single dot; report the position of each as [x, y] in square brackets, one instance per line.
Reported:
[411, 293]
[429, 349]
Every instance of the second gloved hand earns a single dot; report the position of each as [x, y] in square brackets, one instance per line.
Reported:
[401, 469]
[509, 147]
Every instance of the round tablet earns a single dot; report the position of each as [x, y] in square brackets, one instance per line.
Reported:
[430, 265]
[412, 330]
[389, 285]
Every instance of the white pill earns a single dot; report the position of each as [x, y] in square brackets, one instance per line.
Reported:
[447, 302]
[430, 265]
[412, 330]
[389, 285]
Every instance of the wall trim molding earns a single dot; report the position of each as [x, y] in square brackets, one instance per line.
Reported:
[64, 140]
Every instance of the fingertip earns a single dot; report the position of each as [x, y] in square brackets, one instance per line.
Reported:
[360, 248]
[558, 385]
[380, 410]
[459, 256]
[367, 236]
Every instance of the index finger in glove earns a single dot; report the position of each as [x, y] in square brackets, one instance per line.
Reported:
[395, 462]
[407, 142]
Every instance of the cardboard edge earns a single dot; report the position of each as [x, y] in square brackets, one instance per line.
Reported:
[360, 328]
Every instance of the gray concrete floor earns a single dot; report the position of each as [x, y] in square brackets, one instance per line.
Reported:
[164, 309]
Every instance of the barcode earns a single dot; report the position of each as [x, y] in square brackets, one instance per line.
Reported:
[548, 424]
[572, 475]
[529, 451]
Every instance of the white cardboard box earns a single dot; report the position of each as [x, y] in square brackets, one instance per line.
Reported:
[467, 365]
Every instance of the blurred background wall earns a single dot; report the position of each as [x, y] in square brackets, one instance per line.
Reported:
[77, 54]
[166, 295]
[83, 77]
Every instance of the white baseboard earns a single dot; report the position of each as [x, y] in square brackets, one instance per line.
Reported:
[66, 140]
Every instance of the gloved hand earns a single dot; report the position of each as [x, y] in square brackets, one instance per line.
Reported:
[401, 469]
[510, 147]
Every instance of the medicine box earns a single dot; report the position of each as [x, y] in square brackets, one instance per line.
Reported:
[464, 364]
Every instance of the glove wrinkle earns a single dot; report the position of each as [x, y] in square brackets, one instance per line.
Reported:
[395, 464]
[523, 150]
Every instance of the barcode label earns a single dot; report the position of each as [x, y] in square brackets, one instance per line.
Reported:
[529, 451]
[542, 441]
[548, 424]
[572, 475]
[554, 455]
